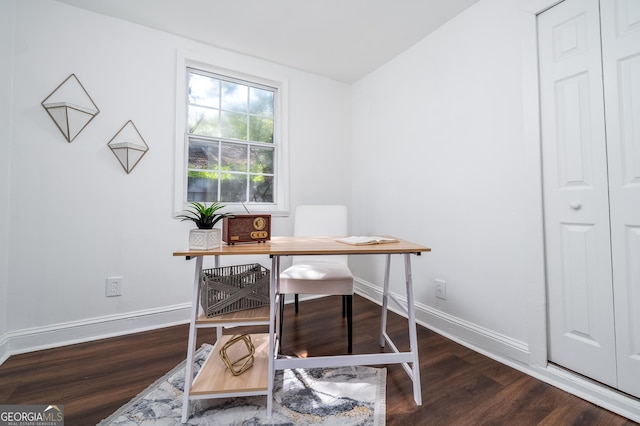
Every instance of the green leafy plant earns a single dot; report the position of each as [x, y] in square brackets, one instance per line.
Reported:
[205, 217]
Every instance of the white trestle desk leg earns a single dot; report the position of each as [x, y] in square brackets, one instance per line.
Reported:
[188, 375]
[275, 272]
[220, 328]
[277, 312]
[385, 301]
[413, 334]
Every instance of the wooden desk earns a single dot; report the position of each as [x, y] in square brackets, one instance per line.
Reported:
[296, 246]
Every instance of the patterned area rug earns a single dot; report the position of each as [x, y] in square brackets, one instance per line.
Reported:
[318, 396]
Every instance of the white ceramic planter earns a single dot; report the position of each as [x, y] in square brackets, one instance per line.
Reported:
[204, 239]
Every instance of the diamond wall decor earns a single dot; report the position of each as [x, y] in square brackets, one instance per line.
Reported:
[70, 107]
[128, 146]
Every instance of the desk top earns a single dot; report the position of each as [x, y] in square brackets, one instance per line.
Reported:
[290, 246]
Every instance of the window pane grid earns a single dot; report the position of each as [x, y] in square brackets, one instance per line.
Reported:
[246, 180]
[235, 102]
[231, 144]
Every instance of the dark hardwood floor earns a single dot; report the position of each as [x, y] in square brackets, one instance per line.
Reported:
[459, 386]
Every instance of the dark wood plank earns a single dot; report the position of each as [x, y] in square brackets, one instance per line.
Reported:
[459, 386]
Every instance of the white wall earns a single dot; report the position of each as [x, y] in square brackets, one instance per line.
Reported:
[6, 48]
[438, 135]
[75, 217]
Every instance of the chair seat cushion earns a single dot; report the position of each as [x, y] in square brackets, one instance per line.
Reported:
[316, 278]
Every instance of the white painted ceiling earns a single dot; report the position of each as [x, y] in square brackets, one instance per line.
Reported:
[340, 39]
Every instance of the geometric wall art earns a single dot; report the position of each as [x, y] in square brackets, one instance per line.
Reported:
[70, 107]
[128, 146]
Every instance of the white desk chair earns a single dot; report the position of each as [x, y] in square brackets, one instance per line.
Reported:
[328, 275]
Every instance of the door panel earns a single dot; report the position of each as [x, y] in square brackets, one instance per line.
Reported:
[629, 96]
[577, 235]
[572, 139]
[579, 251]
[621, 72]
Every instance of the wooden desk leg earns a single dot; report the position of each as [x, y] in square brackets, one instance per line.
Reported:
[191, 348]
[385, 301]
[413, 334]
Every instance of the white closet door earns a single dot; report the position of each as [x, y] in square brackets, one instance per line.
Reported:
[577, 237]
[621, 65]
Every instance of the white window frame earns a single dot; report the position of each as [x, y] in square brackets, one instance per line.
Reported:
[280, 206]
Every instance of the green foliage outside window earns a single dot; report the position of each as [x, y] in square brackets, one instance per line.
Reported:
[231, 140]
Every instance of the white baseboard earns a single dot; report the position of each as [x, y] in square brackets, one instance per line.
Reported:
[4, 351]
[471, 335]
[56, 335]
[596, 393]
[510, 352]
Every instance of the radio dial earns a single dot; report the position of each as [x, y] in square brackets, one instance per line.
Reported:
[259, 223]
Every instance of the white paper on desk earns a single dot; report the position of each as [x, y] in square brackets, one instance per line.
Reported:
[366, 240]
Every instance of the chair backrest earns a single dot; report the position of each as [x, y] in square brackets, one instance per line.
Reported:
[321, 221]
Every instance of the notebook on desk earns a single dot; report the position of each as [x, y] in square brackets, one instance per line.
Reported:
[366, 240]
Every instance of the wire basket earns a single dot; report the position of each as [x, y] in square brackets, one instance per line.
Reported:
[234, 288]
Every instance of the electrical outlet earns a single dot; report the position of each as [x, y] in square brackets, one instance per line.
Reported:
[114, 286]
[441, 289]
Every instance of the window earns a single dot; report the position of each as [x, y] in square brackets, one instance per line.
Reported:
[230, 131]
[230, 143]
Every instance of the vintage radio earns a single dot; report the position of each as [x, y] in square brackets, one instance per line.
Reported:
[246, 228]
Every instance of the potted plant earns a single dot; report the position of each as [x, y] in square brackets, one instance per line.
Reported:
[205, 217]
